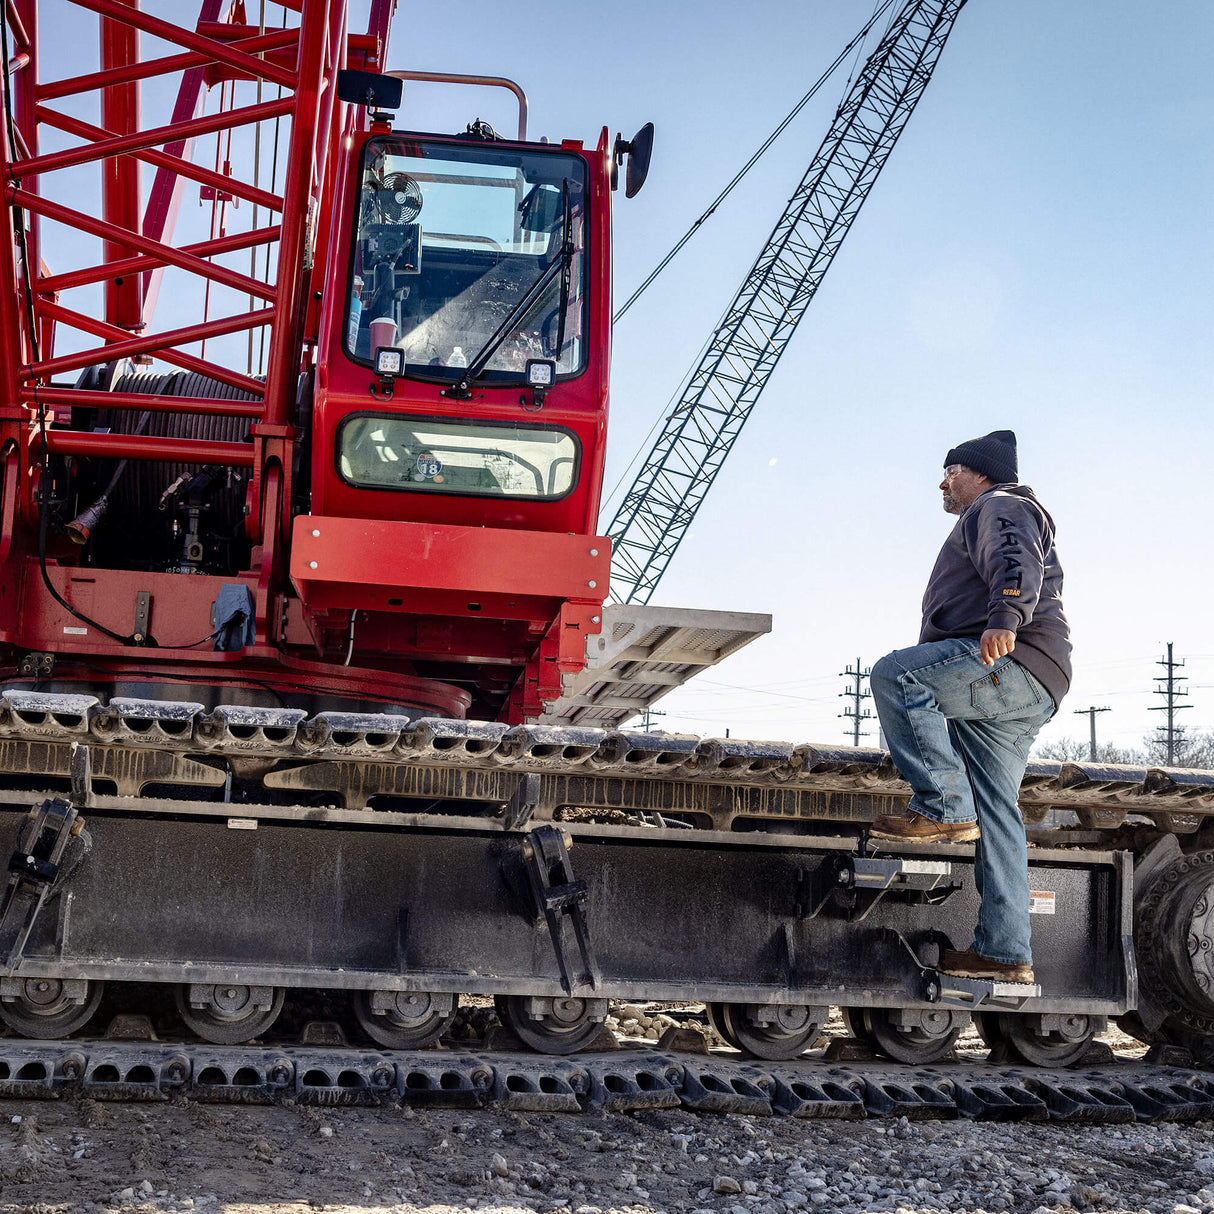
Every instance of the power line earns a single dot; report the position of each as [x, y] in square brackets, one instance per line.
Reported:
[785, 683]
[750, 164]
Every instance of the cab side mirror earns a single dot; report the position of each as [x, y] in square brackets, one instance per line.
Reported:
[638, 151]
[369, 89]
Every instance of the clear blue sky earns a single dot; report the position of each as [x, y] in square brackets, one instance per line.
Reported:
[1037, 255]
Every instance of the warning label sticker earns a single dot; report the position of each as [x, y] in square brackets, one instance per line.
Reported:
[1041, 902]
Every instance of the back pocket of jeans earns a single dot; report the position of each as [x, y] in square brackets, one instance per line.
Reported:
[1003, 692]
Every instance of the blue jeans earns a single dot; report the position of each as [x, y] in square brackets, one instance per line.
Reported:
[960, 732]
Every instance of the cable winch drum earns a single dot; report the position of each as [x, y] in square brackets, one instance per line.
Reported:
[135, 511]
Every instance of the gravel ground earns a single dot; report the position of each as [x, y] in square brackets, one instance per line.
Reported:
[92, 1157]
[154, 1159]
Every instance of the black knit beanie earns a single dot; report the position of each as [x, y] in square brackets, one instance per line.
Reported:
[993, 456]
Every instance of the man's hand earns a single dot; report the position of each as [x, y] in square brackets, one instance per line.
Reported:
[997, 643]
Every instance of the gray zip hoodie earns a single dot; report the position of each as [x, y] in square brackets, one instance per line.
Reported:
[999, 569]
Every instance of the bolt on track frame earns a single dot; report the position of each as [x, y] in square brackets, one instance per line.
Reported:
[298, 61]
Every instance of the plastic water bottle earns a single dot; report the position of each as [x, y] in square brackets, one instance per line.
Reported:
[458, 358]
[356, 312]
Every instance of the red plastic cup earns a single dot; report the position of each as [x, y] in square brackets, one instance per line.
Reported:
[383, 333]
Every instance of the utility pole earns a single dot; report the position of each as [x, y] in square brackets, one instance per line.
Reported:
[1171, 733]
[854, 712]
[1091, 713]
[647, 718]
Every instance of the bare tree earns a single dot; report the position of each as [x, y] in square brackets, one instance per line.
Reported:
[1073, 750]
[1195, 748]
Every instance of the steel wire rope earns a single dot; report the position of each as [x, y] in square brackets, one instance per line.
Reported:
[219, 203]
[261, 29]
[661, 418]
[665, 415]
[44, 452]
[261, 349]
[750, 164]
[663, 508]
[860, 41]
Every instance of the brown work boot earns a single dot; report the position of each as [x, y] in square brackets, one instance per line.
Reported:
[970, 965]
[915, 828]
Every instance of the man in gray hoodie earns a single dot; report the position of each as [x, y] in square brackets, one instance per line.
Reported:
[961, 709]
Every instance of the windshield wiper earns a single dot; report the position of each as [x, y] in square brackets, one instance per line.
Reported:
[461, 389]
[567, 251]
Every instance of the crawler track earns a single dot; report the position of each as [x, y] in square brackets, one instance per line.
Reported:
[356, 760]
[230, 856]
[622, 1081]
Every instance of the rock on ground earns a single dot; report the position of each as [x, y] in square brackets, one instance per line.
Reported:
[81, 1155]
[84, 1156]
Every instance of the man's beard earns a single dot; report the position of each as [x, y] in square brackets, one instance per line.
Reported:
[951, 504]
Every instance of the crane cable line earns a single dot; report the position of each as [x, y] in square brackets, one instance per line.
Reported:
[750, 164]
[656, 513]
[663, 416]
[858, 43]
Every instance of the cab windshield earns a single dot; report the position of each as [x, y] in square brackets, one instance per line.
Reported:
[450, 239]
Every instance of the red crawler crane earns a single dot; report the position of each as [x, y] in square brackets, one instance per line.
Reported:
[324, 535]
[270, 576]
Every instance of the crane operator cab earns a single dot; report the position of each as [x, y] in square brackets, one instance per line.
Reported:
[460, 406]
[467, 254]
[454, 242]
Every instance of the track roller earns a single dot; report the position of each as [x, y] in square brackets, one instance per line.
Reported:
[47, 1009]
[771, 1031]
[229, 1014]
[716, 1018]
[987, 1024]
[911, 1035]
[404, 1020]
[560, 1025]
[857, 1026]
[1046, 1039]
